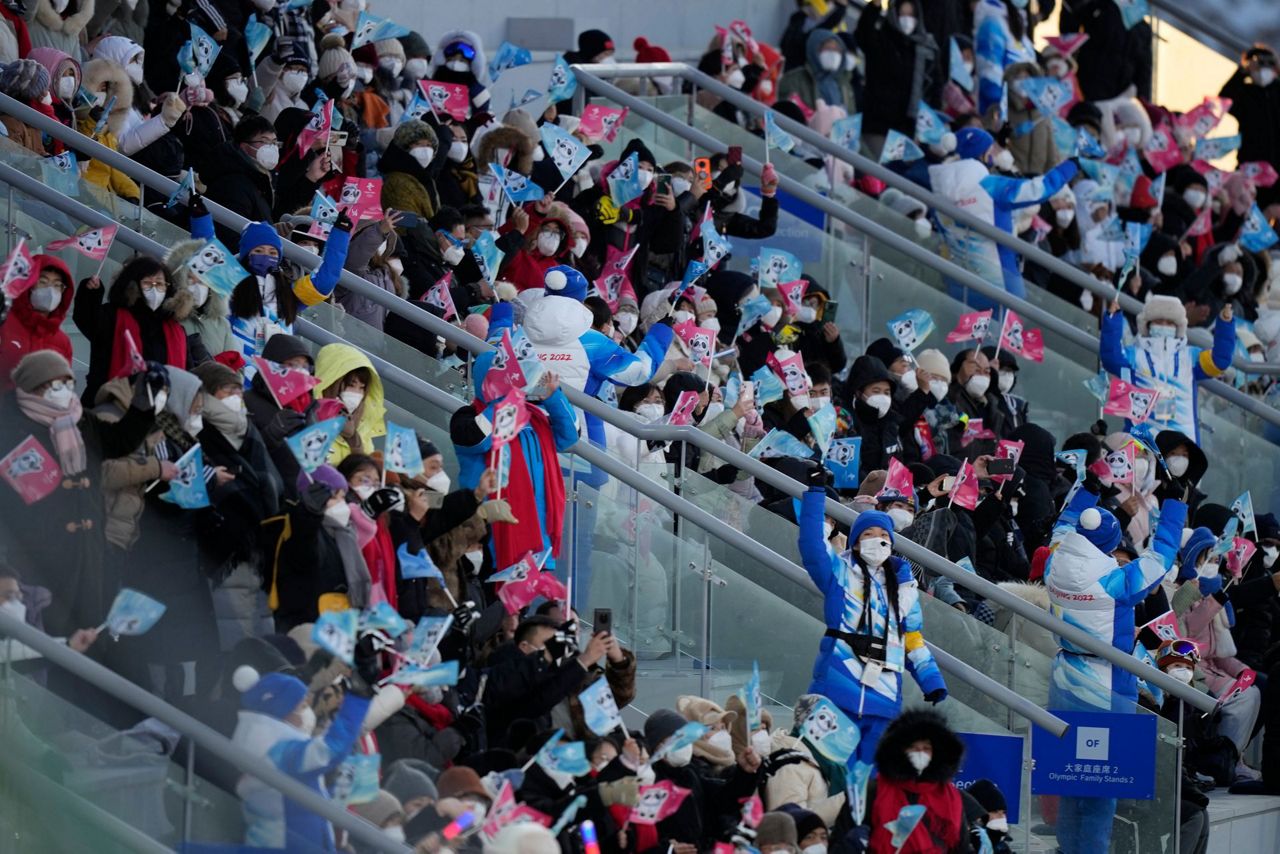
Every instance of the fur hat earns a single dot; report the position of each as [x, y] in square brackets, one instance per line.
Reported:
[912, 726]
[24, 79]
[410, 133]
[275, 694]
[777, 828]
[1100, 528]
[38, 368]
[704, 711]
[1163, 308]
[460, 780]
[523, 122]
[738, 729]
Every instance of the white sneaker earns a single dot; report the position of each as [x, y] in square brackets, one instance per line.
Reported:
[1244, 772]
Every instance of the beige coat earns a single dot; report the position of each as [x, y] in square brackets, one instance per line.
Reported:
[801, 783]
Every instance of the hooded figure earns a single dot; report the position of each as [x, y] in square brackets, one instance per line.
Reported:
[902, 67]
[874, 419]
[916, 759]
[819, 78]
[1160, 359]
[968, 183]
[104, 79]
[460, 58]
[873, 618]
[65, 75]
[60, 28]
[35, 317]
[367, 420]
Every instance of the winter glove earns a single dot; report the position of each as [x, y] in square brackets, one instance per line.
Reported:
[154, 379]
[606, 210]
[465, 614]
[172, 109]
[367, 670]
[818, 476]
[936, 696]
[343, 222]
[1210, 585]
[315, 497]
[381, 501]
[195, 205]
[625, 791]
[284, 423]
[497, 511]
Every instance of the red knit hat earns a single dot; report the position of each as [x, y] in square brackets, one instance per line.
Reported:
[646, 52]
[1141, 197]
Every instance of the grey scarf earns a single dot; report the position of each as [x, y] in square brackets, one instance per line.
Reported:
[359, 584]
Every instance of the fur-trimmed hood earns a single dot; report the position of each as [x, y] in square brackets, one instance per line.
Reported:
[891, 752]
[177, 305]
[72, 20]
[479, 64]
[175, 260]
[99, 71]
[1032, 594]
[505, 136]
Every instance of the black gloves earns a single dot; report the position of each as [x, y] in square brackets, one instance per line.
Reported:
[284, 423]
[364, 676]
[818, 476]
[195, 206]
[344, 223]
[465, 614]
[381, 501]
[154, 379]
[936, 696]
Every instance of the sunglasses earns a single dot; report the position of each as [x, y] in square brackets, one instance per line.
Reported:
[1182, 648]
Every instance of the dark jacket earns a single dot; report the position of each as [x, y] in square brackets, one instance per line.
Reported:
[230, 529]
[526, 687]
[272, 422]
[1113, 57]
[241, 186]
[897, 65]
[1257, 109]
[309, 566]
[458, 507]
[409, 735]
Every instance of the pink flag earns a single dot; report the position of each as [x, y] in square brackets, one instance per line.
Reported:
[137, 364]
[1164, 627]
[752, 810]
[805, 109]
[1243, 683]
[1100, 468]
[1008, 449]
[510, 416]
[974, 431]
[502, 805]
[285, 384]
[682, 412]
[19, 272]
[1016, 338]
[1039, 229]
[451, 98]
[971, 326]
[319, 125]
[614, 281]
[504, 372]
[707, 217]
[700, 341]
[93, 244]
[361, 198]
[1033, 345]
[517, 594]
[1202, 224]
[30, 470]
[899, 479]
[791, 371]
[1214, 177]
[1201, 119]
[1162, 150]
[1130, 401]
[1068, 43]
[441, 297]
[964, 491]
[792, 294]
[657, 802]
[1260, 172]
[549, 587]
[1242, 551]
[599, 121]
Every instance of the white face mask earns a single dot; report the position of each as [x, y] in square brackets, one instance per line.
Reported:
[548, 243]
[831, 60]
[1209, 569]
[772, 316]
[416, 68]
[627, 322]
[457, 151]
[978, 384]
[1182, 674]
[1064, 216]
[134, 72]
[1177, 465]
[907, 24]
[679, 758]
[364, 490]
[939, 389]
[874, 552]
[392, 64]
[1004, 160]
[1266, 76]
[308, 722]
[721, 741]
[153, 299]
[800, 401]
[16, 609]
[397, 266]
[423, 154]
[1167, 265]
[1231, 283]
[999, 825]
[459, 65]
[351, 399]
[268, 156]
[396, 832]
[1141, 468]
[1269, 555]
[194, 425]
[339, 514]
[828, 528]
[735, 79]
[237, 90]
[60, 397]
[66, 88]
[1194, 197]
[364, 73]
[453, 255]
[680, 186]
[819, 402]
[902, 519]
[1006, 381]
[649, 412]
[682, 316]
[816, 848]
[439, 482]
[713, 409]
[880, 403]
[45, 299]
[644, 177]
[919, 759]
[807, 314]
[476, 559]
[293, 81]
[761, 743]
[1162, 331]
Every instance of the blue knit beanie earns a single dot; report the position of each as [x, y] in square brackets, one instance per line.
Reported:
[564, 281]
[972, 143]
[276, 694]
[1100, 528]
[257, 234]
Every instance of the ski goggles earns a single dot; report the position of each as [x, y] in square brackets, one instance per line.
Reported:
[1180, 648]
[467, 51]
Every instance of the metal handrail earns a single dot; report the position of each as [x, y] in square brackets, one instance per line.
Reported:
[598, 73]
[85, 668]
[1222, 41]
[418, 316]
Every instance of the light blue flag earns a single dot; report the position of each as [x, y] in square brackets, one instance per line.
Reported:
[1224, 543]
[519, 188]
[715, 247]
[188, 489]
[1111, 230]
[186, 60]
[204, 50]
[299, 4]
[751, 311]
[335, 633]
[1130, 170]
[132, 613]
[967, 565]
[1087, 145]
[324, 210]
[101, 124]
[1243, 508]
[529, 96]
[487, 254]
[382, 617]
[1064, 136]
[428, 634]
[356, 780]
[1048, 94]
[256, 36]
[569, 814]
[1136, 235]
[563, 83]
[417, 107]
[624, 181]
[822, 424]
[902, 826]
[1099, 385]
[830, 731]
[962, 76]
[1142, 432]
[693, 271]
[984, 841]
[566, 151]
[401, 453]
[768, 386]
[564, 757]
[530, 364]
[910, 328]
[1104, 173]
[371, 28]
[931, 125]
[1157, 187]
[508, 56]
[775, 266]
[776, 137]
[217, 267]
[1144, 655]
[843, 460]
[444, 675]
[855, 782]
[1132, 11]
[847, 132]
[418, 565]
[60, 173]
[780, 443]
[686, 735]
[732, 389]
[899, 147]
[752, 700]
[599, 708]
[310, 445]
[1257, 235]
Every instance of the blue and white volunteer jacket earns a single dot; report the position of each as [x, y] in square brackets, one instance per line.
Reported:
[990, 198]
[560, 329]
[837, 672]
[1090, 590]
[271, 820]
[1168, 365]
[994, 50]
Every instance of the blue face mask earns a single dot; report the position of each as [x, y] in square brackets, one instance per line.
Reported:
[261, 265]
